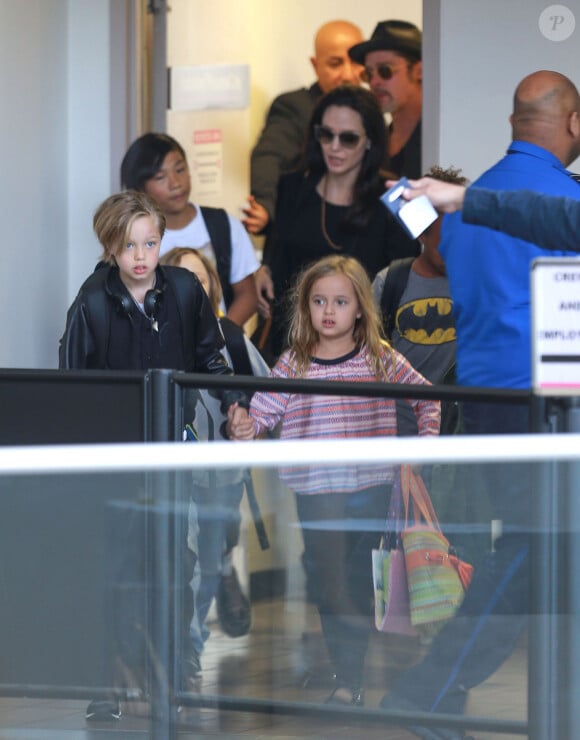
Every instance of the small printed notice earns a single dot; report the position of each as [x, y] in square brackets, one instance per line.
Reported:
[555, 286]
[207, 162]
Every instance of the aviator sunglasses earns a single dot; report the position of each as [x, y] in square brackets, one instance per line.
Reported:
[347, 139]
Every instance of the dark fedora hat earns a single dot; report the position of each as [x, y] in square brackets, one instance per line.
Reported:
[400, 36]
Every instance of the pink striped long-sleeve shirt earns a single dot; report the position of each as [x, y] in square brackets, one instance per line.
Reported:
[306, 416]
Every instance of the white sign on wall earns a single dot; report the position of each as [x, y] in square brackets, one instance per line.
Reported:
[555, 286]
[206, 86]
[207, 162]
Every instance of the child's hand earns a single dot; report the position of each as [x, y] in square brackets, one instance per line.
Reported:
[240, 426]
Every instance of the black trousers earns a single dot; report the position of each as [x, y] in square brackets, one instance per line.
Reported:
[340, 530]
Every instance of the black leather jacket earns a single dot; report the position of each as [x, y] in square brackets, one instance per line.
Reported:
[106, 330]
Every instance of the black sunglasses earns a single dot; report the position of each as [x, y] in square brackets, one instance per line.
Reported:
[384, 71]
[347, 139]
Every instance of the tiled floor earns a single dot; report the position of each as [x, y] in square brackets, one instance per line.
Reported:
[281, 660]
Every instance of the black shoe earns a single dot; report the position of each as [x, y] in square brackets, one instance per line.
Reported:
[346, 697]
[191, 673]
[195, 664]
[103, 711]
[393, 703]
[233, 607]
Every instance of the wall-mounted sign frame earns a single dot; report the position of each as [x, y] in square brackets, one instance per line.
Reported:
[209, 86]
[555, 291]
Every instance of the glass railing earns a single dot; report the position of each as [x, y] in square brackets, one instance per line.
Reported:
[100, 543]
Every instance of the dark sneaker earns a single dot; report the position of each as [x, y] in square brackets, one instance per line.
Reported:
[233, 607]
[191, 674]
[195, 664]
[103, 711]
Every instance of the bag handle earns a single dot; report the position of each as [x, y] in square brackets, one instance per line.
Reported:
[408, 500]
[394, 523]
[419, 492]
[415, 494]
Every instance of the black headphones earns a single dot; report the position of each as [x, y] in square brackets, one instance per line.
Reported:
[125, 305]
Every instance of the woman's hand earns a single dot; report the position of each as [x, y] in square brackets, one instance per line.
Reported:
[256, 217]
[265, 289]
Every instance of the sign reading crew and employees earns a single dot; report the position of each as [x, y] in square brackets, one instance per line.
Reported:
[555, 288]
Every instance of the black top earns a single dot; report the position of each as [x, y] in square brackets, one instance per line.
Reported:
[407, 161]
[298, 240]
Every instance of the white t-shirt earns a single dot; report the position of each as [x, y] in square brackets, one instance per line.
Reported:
[196, 235]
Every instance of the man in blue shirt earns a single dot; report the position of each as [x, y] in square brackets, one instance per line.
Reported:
[489, 279]
[489, 271]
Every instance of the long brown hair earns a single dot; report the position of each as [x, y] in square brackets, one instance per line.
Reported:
[367, 332]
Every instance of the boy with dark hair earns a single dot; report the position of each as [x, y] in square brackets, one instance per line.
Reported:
[156, 164]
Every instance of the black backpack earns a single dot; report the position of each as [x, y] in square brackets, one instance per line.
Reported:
[236, 346]
[218, 227]
[395, 283]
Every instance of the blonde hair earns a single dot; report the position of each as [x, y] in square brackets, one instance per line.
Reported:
[367, 333]
[174, 257]
[116, 215]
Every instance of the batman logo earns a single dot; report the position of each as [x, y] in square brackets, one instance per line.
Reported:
[426, 321]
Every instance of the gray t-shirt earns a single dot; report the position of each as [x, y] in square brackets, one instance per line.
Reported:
[424, 331]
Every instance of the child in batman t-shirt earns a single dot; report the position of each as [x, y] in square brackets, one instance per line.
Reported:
[417, 310]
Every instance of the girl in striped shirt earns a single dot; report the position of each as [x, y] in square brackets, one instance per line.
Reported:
[335, 335]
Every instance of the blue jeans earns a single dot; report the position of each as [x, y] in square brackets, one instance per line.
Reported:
[212, 515]
[494, 613]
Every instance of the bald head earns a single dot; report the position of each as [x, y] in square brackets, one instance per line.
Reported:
[331, 62]
[546, 113]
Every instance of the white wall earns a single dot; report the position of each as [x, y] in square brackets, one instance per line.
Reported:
[90, 173]
[33, 129]
[59, 130]
[478, 53]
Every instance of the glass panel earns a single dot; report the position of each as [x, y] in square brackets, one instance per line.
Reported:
[96, 602]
